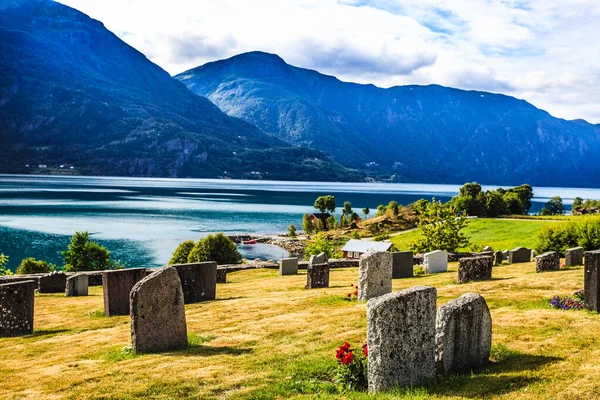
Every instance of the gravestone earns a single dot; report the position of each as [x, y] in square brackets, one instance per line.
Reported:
[488, 248]
[55, 282]
[158, 313]
[318, 259]
[288, 266]
[77, 285]
[402, 264]
[374, 275]
[401, 338]
[436, 261]
[317, 276]
[475, 268]
[519, 255]
[591, 287]
[221, 275]
[198, 280]
[574, 256]
[94, 278]
[549, 261]
[505, 255]
[116, 286]
[463, 336]
[498, 257]
[16, 308]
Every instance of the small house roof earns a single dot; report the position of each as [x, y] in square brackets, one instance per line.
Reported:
[362, 246]
[321, 216]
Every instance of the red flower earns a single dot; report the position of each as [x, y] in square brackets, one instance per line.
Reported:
[346, 346]
[365, 350]
[352, 284]
[349, 294]
[348, 358]
[340, 353]
[356, 293]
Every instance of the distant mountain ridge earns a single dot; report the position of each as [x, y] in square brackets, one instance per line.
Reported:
[419, 133]
[71, 92]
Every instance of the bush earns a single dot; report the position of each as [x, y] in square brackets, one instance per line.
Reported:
[584, 232]
[319, 245]
[33, 266]
[182, 252]
[218, 248]
[440, 229]
[3, 269]
[84, 254]
[352, 367]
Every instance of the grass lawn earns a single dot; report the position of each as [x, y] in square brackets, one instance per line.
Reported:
[501, 234]
[266, 337]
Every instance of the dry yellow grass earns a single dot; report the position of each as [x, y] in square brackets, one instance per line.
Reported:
[267, 337]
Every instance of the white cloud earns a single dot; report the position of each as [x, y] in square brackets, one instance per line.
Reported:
[543, 51]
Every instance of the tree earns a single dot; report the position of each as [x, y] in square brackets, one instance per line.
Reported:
[494, 204]
[325, 203]
[307, 225]
[3, 269]
[330, 223]
[393, 208]
[182, 252]
[84, 254]
[347, 208]
[553, 207]
[577, 202]
[319, 245]
[33, 266]
[441, 229]
[514, 203]
[380, 210]
[218, 248]
[366, 212]
[470, 199]
[292, 230]
[322, 227]
[420, 206]
[525, 194]
[343, 221]
[353, 217]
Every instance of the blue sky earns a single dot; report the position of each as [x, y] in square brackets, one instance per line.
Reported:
[543, 51]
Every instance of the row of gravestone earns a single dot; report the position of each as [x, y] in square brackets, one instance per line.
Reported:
[409, 342]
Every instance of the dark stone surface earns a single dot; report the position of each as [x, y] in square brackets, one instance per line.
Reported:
[401, 338]
[94, 278]
[317, 276]
[402, 264]
[198, 280]
[288, 266]
[591, 288]
[77, 285]
[116, 286]
[519, 255]
[16, 308]
[498, 258]
[53, 283]
[549, 261]
[475, 268]
[463, 335]
[158, 313]
[320, 258]
[221, 275]
[574, 256]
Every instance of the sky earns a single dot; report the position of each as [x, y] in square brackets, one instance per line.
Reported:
[544, 51]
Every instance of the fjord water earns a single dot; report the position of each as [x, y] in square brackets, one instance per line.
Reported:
[142, 220]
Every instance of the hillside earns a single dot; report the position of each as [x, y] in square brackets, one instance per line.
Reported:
[73, 93]
[419, 133]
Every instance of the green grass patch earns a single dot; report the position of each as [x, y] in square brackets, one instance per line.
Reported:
[195, 339]
[116, 355]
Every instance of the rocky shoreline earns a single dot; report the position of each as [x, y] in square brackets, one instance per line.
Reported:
[293, 245]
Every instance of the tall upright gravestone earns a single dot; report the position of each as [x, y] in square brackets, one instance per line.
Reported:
[591, 288]
[401, 338]
[116, 286]
[198, 280]
[16, 308]
[158, 313]
[402, 264]
[374, 275]
[317, 276]
[77, 285]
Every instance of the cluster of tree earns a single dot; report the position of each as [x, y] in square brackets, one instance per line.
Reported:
[585, 206]
[218, 248]
[441, 226]
[348, 219]
[3, 269]
[584, 232]
[493, 203]
[320, 244]
[553, 207]
[392, 209]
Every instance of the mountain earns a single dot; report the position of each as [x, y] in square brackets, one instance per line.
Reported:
[419, 133]
[73, 93]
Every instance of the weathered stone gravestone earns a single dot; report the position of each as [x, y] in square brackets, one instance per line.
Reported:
[288, 266]
[519, 255]
[401, 338]
[549, 261]
[318, 259]
[463, 336]
[198, 280]
[505, 255]
[591, 287]
[55, 282]
[498, 257]
[77, 285]
[488, 248]
[158, 313]
[317, 276]
[16, 308]
[574, 256]
[374, 275]
[475, 268]
[402, 264]
[116, 286]
[221, 275]
[436, 261]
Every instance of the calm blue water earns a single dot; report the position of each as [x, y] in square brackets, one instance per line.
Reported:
[142, 220]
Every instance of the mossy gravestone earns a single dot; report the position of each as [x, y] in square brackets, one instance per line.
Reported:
[16, 308]
[401, 338]
[158, 313]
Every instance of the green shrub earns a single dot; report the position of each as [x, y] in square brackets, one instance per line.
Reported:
[218, 248]
[182, 252]
[319, 245]
[33, 266]
[584, 232]
[3, 269]
[84, 254]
